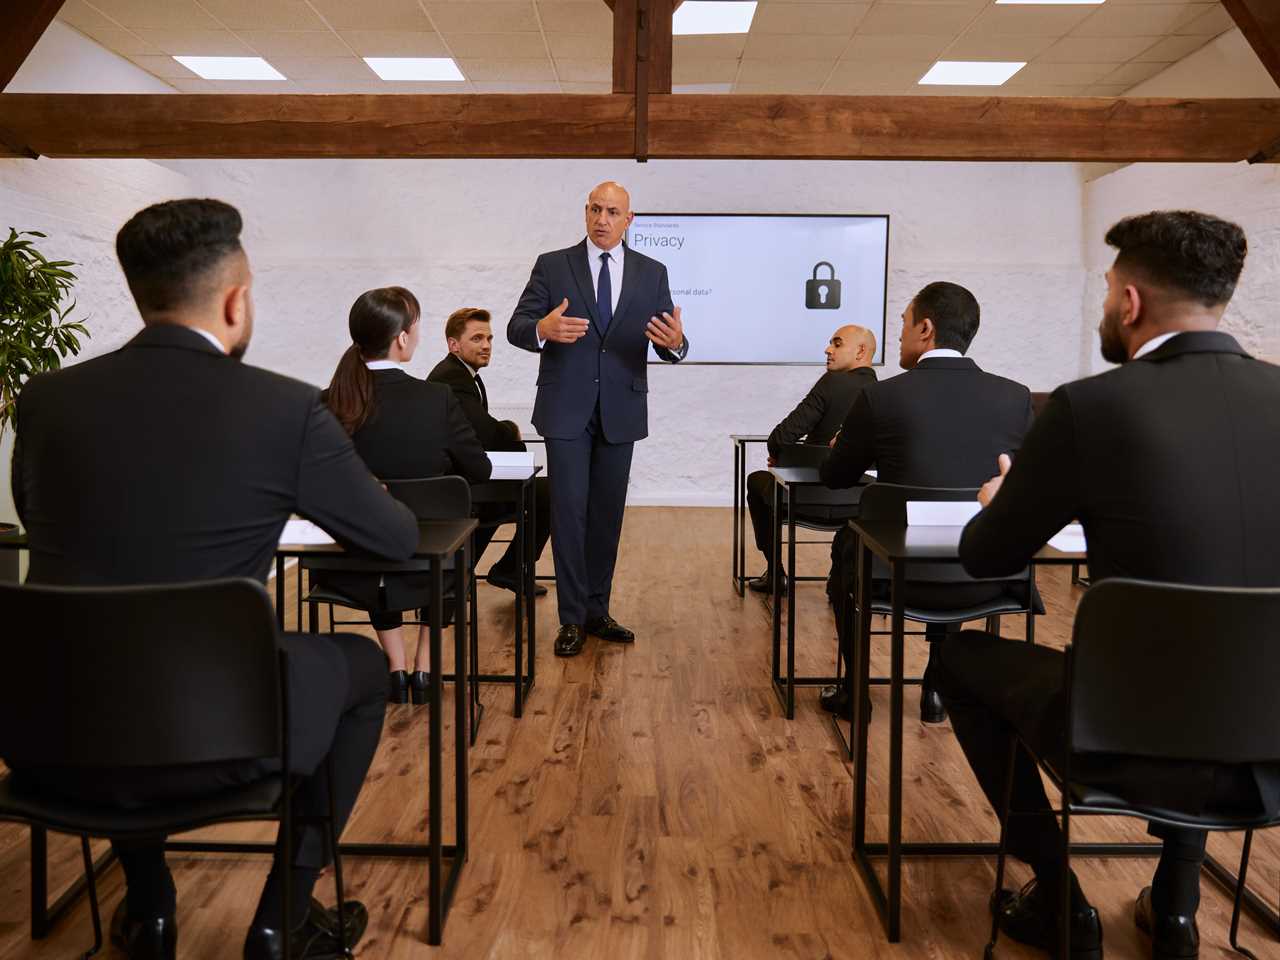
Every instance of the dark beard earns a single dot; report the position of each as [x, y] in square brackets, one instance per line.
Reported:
[1113, 348]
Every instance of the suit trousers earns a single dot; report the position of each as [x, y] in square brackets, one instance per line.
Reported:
[994, 687]
[588, 477]
[338, 696]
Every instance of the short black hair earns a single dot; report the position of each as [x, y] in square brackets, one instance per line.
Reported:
[168, 249]
[1196, 255]
[954, 312]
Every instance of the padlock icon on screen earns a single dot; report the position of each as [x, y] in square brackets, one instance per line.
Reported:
[822, 293]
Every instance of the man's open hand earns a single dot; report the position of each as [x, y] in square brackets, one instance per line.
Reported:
[666, 330]
[558, 328]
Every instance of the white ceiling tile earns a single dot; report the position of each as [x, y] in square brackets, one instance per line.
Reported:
[1134, 73]
[702, 88]
[907, 73]
[973, 46]
[522, 71]
[931, 19]
[434, 86]
[1096, 49]
[500, 16]
[890, 48]
[779, 86]
[1015, 20]
[714, 48]
[196, 43]
[166, 68]
[156, 15]
[1145, 20]
[394, 43]
[585, 87]
[1063, 73]
[784, 71]
[570, 45]
[802, 16]
[1172, 49]
[777, 46]
[295, 43]
[1207, 23]
[1011, 89]
[372, 14]
[335, 69]
[193, 85]
[255, 86]
[509, 86]
[582, 17]
[265, 14]
[501, 46]
[1107, 90]
[122, 41]
[585, 71]
[83, 17]
[703, 71]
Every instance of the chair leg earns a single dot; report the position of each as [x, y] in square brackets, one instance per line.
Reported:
[993, 625]
[1031, 627]
[91, 883]
[1064, 907]
[286, 867]
[337, 864]
[1001, 854]
[1235, 913]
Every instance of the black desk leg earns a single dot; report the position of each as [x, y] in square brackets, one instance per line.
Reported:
[517, 707]
[895, 756]
[859, 671]
[280, 591]
[435, 913]
[531, 564]
[461, 766]
[738, 560]
[791, 606]
[777, 592]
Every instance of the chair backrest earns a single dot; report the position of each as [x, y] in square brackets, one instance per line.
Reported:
[139, 676]
[888, 501]
[1177, 672]
[434, 498]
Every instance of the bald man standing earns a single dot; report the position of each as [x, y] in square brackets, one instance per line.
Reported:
[591, 311]
[815, 420]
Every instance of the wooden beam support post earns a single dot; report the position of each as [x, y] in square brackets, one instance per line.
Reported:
[642, 58]
[23, 24]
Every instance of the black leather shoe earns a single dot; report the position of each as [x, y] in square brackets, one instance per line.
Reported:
[569, 640]
[607, 628]
[506, 582]
[419, 687]
[147, 938]
[1026, 917]
[931, 708]
[838, 700]
[325, 918]
[1173, 936]
[398, 687]
[315, 939]
[764, 583]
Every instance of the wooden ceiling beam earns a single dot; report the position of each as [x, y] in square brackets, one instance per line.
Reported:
[1259, 21]
[603, 126]
[630, 18]
[25, 22]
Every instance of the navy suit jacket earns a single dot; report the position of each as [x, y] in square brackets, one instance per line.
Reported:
[606, 368]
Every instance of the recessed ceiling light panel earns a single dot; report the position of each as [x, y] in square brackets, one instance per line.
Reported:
[976, 73]
[231, 68]
[415, 68]
[702, 17]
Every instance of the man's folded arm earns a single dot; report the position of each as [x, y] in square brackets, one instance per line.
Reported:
[534, 304]
[855, 449]
[1039, 496]
[337, 492]
[799, 423]
[465, 450]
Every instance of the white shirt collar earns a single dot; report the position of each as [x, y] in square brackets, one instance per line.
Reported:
[470, 369]
[593, 254]
[1155, 343]
[939, 352]
[382, 365]
[211, 338]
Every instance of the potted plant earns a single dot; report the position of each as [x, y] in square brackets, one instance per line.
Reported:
[35, 333]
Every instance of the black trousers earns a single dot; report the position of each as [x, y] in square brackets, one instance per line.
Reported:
[508, 565]
[588, 498]
[994, 687]
[338, 694]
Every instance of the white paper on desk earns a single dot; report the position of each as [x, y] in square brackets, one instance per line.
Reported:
[933, 535]
[872, 473]
[941, 513]
[1070, 539]
[303, 532]
[510, 458]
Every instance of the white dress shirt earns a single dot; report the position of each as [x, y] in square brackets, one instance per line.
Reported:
[382, 365]
[210, 337]
[1154, 343]
[939, 352]
[617, 261]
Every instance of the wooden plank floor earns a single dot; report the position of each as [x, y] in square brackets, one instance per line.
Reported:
[653, 803]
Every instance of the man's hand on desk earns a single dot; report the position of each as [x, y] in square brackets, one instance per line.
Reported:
[558, 328]
[666, 330]
[832, 442]
[992, 486]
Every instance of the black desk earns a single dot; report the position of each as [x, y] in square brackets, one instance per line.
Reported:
[438, 541]
[740, 442]
[897, 546]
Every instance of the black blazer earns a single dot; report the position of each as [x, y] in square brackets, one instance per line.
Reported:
[941, 424]
[418, 429]
[168, 461]
[469, 391]
[819, 415]
[1172, 463]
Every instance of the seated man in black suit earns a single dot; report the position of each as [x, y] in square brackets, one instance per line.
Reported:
[1170, 463]
[470, 339]
[940, 424]
[815, 420]
[167, 461]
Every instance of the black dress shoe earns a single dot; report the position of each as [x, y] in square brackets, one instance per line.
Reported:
[838, 700]
[764, 583]
[145, 938]
[419, 687]
[354, 913]
[931, 708]
[315, 939]
[569, 640]
[1173, 936]
[607, 628]
[398, 687]
[1027, 918]
[507, 582]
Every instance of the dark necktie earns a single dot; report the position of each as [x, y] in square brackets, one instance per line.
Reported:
[484, 397]
[604, 294]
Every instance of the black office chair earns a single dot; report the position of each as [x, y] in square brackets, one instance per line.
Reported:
[816, 508]
[1136, 648]
[430, 498]
[112, 659]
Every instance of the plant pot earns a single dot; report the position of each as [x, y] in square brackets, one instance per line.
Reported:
[9, 558]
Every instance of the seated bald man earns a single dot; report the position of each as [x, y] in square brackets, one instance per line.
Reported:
[815, 420]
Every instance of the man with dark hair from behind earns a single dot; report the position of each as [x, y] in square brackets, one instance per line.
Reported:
[195, 461]
[1170, 463]
[940, 424]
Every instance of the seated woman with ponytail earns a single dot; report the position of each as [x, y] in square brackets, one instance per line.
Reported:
[404, 428]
